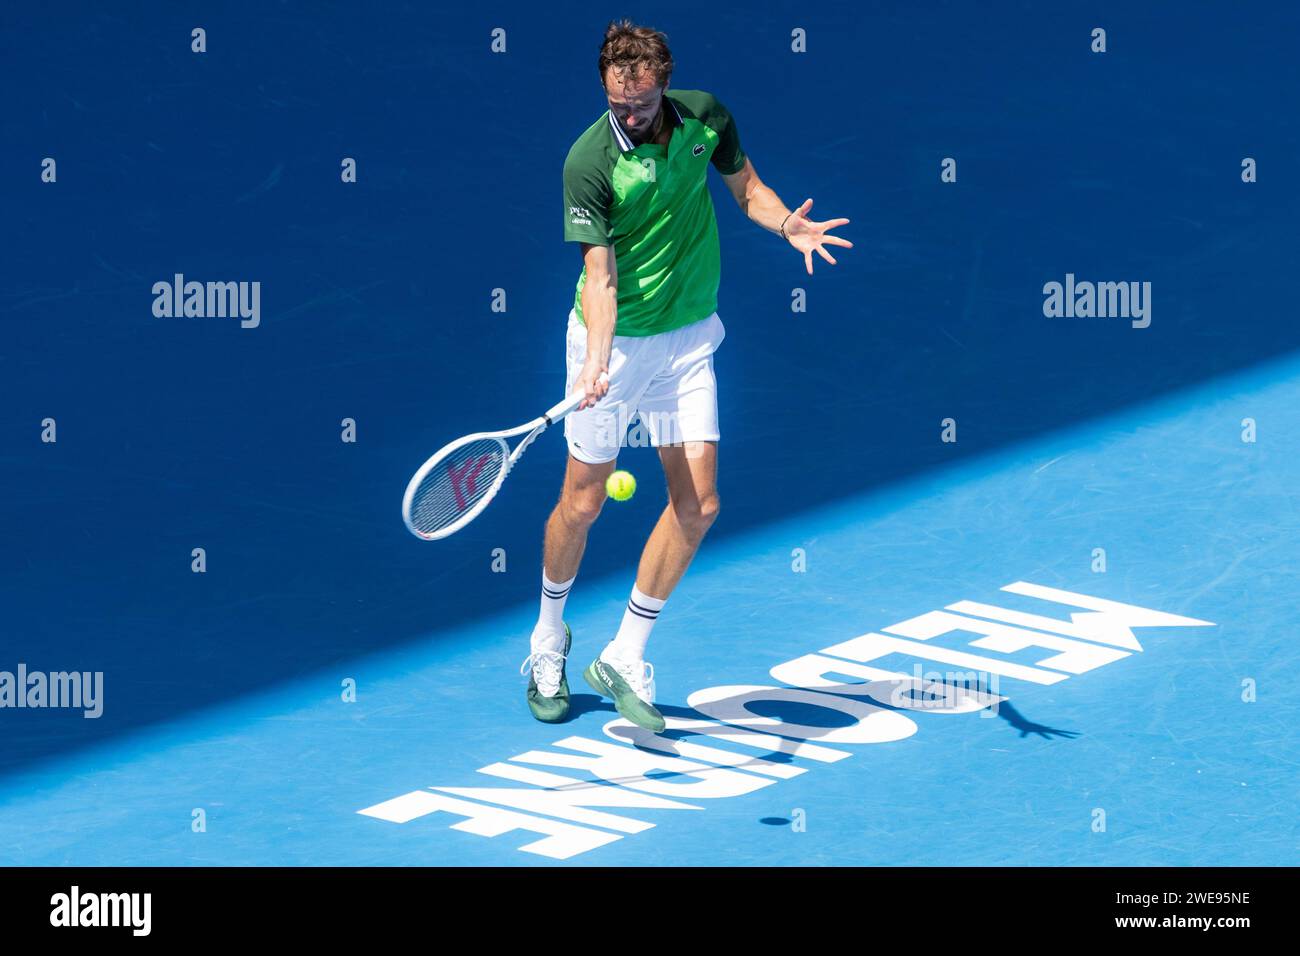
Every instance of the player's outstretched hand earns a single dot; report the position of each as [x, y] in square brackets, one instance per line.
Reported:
[807, 236]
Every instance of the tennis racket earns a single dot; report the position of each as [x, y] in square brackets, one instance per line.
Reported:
[453, 487]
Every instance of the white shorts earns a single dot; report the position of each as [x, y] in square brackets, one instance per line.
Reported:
[666, 379]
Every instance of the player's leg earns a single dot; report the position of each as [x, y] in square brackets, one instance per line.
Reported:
[692, 473]
[621, 670]
[581, 498]
[594, 436]
[692, 506]
[680, 410]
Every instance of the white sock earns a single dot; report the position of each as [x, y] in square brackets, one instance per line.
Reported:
[548, 635]
[640, 616]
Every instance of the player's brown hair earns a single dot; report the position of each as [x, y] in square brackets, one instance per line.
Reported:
[631, 49]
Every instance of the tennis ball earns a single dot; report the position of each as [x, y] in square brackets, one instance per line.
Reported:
[620, 485]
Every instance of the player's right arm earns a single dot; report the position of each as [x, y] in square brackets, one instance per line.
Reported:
[588, 199]
[600, 313]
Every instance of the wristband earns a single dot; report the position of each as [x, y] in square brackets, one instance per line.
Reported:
[783, 222]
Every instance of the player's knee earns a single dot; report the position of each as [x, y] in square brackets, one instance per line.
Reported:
[709, 508]
[698, 514]
[582, 505]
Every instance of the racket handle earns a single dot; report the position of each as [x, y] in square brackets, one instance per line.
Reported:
[557, 412]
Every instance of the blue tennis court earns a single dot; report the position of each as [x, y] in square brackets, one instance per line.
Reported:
[989, 586]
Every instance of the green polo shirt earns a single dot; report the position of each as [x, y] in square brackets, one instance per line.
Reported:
[652, 204]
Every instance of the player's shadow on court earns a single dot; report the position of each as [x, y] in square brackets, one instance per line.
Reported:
[815, 721]
[1026, 726]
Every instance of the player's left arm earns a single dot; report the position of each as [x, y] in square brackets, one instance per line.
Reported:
[757, 200]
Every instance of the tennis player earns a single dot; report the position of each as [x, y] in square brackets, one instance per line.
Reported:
[636, 198]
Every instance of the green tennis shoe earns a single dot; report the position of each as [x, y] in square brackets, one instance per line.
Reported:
[548, 688]
[630, 684]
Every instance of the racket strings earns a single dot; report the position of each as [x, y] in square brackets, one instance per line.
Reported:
[456, 484]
